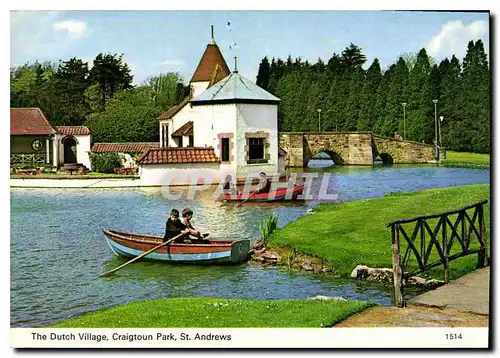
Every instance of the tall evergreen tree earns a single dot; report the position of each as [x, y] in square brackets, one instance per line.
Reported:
[395, 96]
[264, 73]
[70, 84]
[334, 66]
[353, 106]
[381, 99]
[451, 127]
[476, 97]
[418, 124]
[368, 97]
[111, 73]
[352, 58]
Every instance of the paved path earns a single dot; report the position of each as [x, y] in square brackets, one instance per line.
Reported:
[462, 303]
[469, 293]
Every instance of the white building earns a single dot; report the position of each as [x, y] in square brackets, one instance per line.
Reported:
[35, 142]
[72, 145]
[229, 123]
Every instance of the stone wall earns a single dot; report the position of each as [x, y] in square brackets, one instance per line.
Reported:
[403, 152]
[351, 148]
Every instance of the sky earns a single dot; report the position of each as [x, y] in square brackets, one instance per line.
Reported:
[154, 42]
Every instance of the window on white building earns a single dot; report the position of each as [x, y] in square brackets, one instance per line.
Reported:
[256, 150]
[225, 149]
[164, 138]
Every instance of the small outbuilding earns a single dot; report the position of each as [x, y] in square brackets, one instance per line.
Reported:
[34, 141]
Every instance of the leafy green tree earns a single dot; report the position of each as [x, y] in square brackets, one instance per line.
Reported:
[411, 58]
[165, 88]
[93, 98]
[130, 116]
[28, 84]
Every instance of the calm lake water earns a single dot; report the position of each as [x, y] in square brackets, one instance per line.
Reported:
[58, 249]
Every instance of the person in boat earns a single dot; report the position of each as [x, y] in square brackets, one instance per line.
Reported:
[264, 184]
[174, 226]
[228, 187]
[197, 236]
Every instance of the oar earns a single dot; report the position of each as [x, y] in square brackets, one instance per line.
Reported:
[108, 273]
[248, 197]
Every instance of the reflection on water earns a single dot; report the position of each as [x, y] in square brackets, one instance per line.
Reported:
[58, 249]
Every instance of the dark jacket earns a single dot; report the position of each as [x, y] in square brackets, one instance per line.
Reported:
[172, 229]
[193, 238]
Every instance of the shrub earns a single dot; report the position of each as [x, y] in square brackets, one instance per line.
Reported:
[105, 162]
[268, 226]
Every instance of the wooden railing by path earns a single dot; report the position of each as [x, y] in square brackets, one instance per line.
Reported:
[35, 158]
[464, 230]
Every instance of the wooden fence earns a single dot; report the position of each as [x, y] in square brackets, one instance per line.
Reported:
[32, 159]
[464, 230]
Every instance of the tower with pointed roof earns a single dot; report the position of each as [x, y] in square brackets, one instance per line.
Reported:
[227, 113]
[212, 65]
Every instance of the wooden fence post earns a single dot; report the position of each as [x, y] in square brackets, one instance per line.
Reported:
[445, 250]
[483, 254]
[396, 268]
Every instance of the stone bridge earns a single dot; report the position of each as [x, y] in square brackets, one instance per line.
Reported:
[352, 148]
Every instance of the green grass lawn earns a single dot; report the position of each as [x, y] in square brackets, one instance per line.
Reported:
[212, 312]
[356, 233]
[463, 159]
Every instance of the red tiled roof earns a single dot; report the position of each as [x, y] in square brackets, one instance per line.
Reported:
[29, 121]
[208, 62]
[172, 111]
[72, 130]
[178, 155]
[186, 129]
[124, 147]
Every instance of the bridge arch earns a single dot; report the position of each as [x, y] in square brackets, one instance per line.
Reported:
[387, 159]
[329, 156]
[352, 148]
[337, 158]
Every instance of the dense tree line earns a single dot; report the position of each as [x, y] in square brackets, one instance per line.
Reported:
[350, 98]
[354, 99]
[102, 97]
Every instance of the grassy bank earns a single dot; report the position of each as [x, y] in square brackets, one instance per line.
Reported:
[355, 233]
[211, 312]
[468, 160]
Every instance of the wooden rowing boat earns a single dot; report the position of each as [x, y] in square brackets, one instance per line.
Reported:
[279, 194]
[210, 251]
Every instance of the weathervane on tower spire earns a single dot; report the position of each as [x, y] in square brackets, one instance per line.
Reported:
[212, 32]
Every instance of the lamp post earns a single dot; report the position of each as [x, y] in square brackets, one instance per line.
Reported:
[439, 130]
[404, 120]
[319, 119]
[435, 101]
